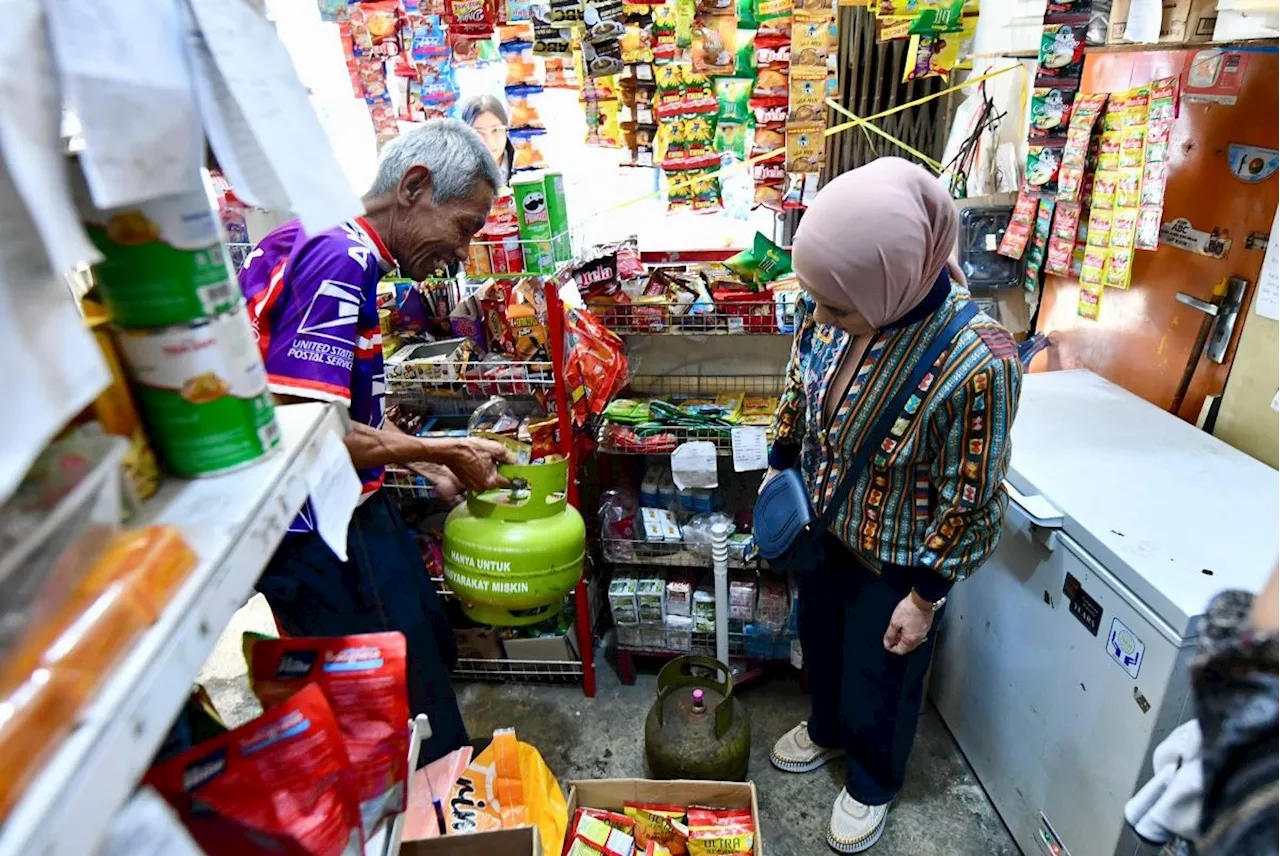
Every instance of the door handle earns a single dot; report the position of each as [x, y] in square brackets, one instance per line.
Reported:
[1223, 311]
[1225, 320]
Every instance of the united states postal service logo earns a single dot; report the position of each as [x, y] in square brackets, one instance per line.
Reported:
[334, 307]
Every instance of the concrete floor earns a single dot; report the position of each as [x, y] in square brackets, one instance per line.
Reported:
[941, 810]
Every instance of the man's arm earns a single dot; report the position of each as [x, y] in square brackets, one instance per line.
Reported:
[474, 461]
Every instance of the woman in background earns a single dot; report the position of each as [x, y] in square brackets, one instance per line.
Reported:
[488, 117]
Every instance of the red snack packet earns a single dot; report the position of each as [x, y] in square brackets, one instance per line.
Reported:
[474, 19]
[597, 367]
[285, 775]
[363, 679]
[701, 816]
[376, 25]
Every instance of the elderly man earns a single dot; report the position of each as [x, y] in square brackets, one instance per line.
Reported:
[314, 308]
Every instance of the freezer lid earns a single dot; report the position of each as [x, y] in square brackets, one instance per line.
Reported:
[1155, 500]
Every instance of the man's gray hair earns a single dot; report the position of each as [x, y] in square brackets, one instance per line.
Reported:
[451, 150]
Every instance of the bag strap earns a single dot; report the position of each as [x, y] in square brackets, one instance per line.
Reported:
[889, 415]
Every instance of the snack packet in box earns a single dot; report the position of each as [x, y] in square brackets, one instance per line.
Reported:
[508, 785]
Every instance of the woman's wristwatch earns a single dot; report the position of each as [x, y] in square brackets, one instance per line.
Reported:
[927, 605]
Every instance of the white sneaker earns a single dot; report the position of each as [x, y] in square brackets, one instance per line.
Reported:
[855, 827]
[796, 753]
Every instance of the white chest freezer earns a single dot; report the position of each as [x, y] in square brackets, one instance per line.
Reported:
[1063, 661]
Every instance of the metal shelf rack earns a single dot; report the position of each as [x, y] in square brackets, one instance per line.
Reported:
[663, 441]
[666, 555]
[455, 388]
[678, 319]
[233, 522]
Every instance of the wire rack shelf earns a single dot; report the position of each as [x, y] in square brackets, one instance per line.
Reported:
[668, 555]
[705, 384]
[677, 319]
[616, 439]
[533, 671]
[658, 641]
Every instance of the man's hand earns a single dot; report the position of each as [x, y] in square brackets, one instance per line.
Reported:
[908, 626]
[474, 461]
[443, 481]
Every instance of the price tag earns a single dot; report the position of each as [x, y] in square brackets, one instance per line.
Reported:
[750, 449]
[736, 324]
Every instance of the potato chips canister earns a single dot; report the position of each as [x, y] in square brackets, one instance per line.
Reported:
[535, 224]
[203, 391]
[164, 262]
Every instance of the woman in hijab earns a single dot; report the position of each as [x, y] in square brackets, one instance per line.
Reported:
[925, 511]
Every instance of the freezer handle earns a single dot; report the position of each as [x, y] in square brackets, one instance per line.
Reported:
[1040, 511]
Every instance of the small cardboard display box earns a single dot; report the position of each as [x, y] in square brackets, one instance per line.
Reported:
[610, 794]
[1181, 21]
[503, 842]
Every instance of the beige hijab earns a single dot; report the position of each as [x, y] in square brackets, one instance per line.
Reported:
[875, 239]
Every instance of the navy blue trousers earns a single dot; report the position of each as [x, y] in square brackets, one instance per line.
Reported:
[866, 701]
[383, 586]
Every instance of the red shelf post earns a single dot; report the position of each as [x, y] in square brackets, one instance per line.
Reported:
[568, 448]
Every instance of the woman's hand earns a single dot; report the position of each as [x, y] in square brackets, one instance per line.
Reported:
[768, 477]
[908, 626]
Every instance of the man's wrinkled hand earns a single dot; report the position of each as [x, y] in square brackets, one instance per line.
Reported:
[474, 461]
[446, 485]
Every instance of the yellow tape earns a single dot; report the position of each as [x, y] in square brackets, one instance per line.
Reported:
[832, 131]
[973, 81]
[867, 126]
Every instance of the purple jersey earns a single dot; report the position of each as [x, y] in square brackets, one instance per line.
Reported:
[314, 308]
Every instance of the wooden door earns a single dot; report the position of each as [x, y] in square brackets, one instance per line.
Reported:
[1144, 338]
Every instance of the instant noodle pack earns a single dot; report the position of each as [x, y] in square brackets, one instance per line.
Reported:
[636, 817]
[1096, 168]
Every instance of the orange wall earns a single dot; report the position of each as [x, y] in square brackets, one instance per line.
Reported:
[1143, 338]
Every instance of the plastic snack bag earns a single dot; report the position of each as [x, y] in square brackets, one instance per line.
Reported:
[284, 775]
[363, 678]
[506, 786]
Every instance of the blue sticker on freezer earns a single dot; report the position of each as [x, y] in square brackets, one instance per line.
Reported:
[1125, 647]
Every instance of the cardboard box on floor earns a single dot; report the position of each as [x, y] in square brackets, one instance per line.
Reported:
[610, 794]
[1181, 21]
[503, 842]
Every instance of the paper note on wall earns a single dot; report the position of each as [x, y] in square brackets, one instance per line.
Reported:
[1144, 21]
[1266, 302]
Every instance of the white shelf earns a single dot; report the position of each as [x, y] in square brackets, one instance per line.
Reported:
[234, 523]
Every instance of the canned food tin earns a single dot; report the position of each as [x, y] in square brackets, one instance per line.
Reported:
[203, 391]
[164, 262]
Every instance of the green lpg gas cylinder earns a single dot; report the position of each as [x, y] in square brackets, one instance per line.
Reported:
[697, 729]
[512, 554]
